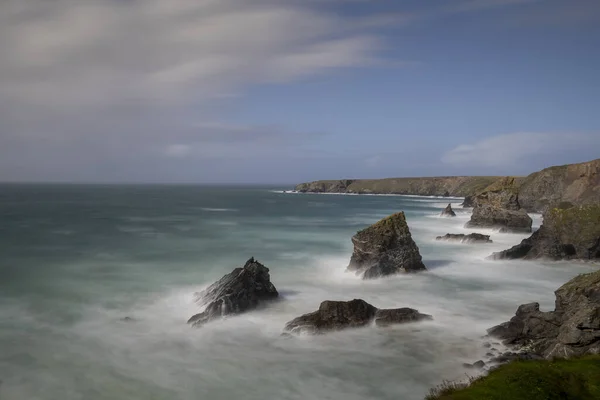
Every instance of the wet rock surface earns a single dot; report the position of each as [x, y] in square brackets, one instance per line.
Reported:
[462, 238]
[385, 248]
[242, 290]
[448, 212]
[572, 329]
[339, 315]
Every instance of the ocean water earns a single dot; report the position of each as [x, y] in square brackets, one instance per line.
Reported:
[76, 260]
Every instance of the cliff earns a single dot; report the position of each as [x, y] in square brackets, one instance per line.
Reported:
[568, 232]
[578, 184]
[435, 186]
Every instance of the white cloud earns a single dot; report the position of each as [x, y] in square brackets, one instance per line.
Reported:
[515, 148]
[80, 53]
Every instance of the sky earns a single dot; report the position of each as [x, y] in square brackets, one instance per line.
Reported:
[287, 91]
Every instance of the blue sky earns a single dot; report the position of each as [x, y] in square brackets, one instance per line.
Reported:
[286, 91]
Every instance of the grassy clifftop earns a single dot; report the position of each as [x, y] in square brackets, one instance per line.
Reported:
[531, 380]
[433, 186]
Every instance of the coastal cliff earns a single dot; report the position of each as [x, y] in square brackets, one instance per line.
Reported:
[578, 184]
[434, 186]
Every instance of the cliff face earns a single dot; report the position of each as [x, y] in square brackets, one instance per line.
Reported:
[578, 184]
[434, 186]
[572, 329]
[571, 233]
[498, 207]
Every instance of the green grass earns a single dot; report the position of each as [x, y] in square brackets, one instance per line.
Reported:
[573, 379]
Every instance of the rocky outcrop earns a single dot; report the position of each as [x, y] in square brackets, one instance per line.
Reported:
[385, 248]
[578, 184]
[568, 232]
[462, 238]
[242, 290]
[433, 186]
[469, 201]
[498, 207]
[572, 329]
[448, 212]
[339, 315]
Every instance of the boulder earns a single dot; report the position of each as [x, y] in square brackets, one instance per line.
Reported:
[242, 290]
[385, 248]
[572, 329]
[446, 194]
[339, 315]
[462, 238]
[448, 212]
[568, 232]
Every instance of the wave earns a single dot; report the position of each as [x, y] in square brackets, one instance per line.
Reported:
[210, 209]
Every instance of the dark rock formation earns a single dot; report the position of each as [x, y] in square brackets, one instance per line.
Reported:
[242, 290]
[572, 329]
[448, 212]
[431, 186]
[446, 194]
[385, 248]
[338, 315]
[462, 238]
[567, 233]
[498, 207]
[469, 201]
[578, 184]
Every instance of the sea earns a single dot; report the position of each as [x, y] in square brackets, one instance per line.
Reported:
[97, 283]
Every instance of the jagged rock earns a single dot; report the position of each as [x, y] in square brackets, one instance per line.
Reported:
[469, 201]
[567, 233]
[499, 218]
[446, 194]
[385, 248]
[338, 315]
[572, 329]
[448, 212]
[462, 238]
[242, 290]
[498, 207]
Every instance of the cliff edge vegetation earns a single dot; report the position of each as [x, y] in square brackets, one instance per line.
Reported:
[577, 378]
[434, 186]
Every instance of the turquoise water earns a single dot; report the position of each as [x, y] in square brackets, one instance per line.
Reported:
[75, 260]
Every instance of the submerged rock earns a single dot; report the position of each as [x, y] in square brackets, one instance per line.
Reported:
[242, 290]
[567, 233]
[448, 212]
[385, 248]
[339, 315]
[462, 238]
[572, 329]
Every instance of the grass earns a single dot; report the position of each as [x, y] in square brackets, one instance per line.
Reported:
[573, 379]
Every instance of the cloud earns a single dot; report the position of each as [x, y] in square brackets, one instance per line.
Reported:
[80, 53]
[514, 149]
[86, 82]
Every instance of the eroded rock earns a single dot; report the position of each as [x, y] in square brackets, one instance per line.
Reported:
[339, 315]
[385, 248]
[242, 290]
[462, 238]
[572, 329]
